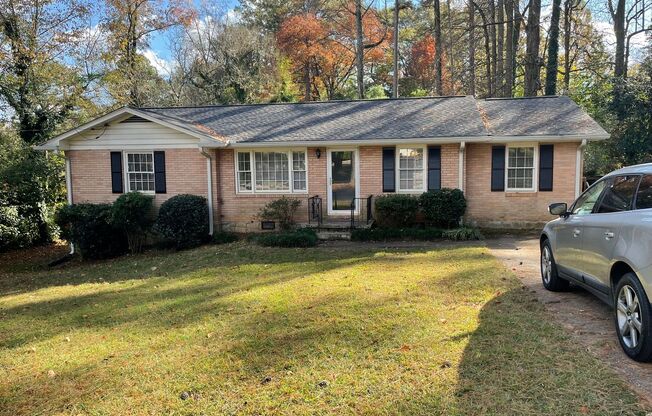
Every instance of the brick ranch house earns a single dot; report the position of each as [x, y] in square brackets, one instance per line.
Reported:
[510, 157]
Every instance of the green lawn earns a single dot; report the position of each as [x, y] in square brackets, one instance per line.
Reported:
[249, 330]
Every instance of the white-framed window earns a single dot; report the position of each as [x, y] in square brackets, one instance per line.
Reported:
[140, 171]
[271, 171]
[521, 168]
[411, 162]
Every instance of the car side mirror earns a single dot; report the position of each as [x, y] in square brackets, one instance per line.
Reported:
[559, 208]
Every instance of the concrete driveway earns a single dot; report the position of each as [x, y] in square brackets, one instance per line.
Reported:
[587, 319]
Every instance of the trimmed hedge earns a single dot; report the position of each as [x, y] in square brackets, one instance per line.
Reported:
[304, 237]
[132, 213]
[184, 220]
[281, 210]
[90, 229]
[444, 207]
[422, 234]
[396, 211]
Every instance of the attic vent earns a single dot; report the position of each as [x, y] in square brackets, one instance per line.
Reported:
[135, 119]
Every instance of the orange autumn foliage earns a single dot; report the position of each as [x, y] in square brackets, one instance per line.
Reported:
[421, 65]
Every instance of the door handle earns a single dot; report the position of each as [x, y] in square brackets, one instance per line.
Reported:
[609, 235]
[576, 232]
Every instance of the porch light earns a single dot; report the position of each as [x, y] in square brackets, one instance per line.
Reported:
[318, 153]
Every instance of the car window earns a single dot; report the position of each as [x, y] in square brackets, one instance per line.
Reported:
[585, 203]
[644, 195]
[619, 194]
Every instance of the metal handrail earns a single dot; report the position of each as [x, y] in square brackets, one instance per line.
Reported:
[361, 211]
[315, 210]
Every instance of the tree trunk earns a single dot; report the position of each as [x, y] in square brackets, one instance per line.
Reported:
[494, 53]
[509, 50]
[307, 95]
[438, 60]
[553, 50]
[359, 48]
[618, 17]
[395, 77]
[450, 56]
[568, 10]
[471, 75]
[532, 67]
[518, 24]
[500, 25]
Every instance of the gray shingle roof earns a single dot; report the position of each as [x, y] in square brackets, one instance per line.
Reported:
[537, 116]
[416, 118]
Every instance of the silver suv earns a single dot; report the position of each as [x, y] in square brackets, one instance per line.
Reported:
[604, 244]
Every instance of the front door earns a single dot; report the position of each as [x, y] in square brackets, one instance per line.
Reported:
[342, 180]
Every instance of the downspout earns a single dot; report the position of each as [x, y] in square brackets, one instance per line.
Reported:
[209, 181]
[578, 168]
[460, 167]
[68, 190]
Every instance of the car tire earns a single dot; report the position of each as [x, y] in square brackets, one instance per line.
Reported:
[633, 318]
[549, 275]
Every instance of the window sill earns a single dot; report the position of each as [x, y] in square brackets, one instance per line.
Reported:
[516, 193]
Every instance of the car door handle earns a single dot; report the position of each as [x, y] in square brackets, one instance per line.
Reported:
[609, 235]
[576, 232]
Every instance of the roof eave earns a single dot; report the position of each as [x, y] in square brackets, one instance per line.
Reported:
[427, 140]
[55, 142]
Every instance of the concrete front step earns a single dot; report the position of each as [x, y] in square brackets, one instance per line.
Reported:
[333, 234]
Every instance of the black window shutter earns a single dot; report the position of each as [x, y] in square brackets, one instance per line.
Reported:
[434, 168]
[116, 172]
[389, 173]
[159, 172]
[497, 168]
[546, 161]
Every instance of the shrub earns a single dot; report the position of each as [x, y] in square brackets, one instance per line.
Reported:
[463, 234]
[16, 231]
[396, 211]
[223, 237]
[281, 210]
[89, 227]
[184, 220]
[444, 207]
[304, 237]
[132, 213]
[388, 234]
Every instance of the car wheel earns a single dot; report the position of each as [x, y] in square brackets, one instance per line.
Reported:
[633, 316]
[549, 275]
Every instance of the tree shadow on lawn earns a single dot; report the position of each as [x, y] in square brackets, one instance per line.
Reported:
[309, 332]
[519, 361]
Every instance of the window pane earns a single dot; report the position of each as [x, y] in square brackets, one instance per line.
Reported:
[272, 171]
[410, 168]
[644, 196]
[140, 171]
[520, 168]
[619, 194]
[585, 203]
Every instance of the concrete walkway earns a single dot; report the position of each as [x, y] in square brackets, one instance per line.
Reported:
[587, 319]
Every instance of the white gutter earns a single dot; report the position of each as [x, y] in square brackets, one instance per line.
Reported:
[426, 140]
[578, 168]
[460, 166]
[69, 191]
[209, 181]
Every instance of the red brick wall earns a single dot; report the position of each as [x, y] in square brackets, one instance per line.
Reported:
[91, 175]
[186, 173]
[515, 209]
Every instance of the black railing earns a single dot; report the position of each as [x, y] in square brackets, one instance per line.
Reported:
[361, 211]
[314, 210]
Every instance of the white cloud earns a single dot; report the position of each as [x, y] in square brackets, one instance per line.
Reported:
[163, 67]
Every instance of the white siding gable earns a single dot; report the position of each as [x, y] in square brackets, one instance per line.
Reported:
[133, 135]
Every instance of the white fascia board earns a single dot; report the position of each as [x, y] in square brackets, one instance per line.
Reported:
[55, 142]
[424, 140]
